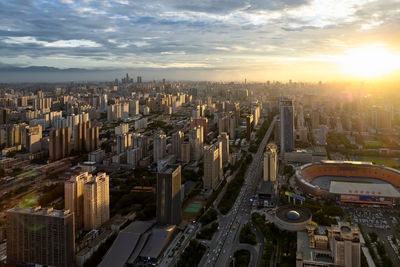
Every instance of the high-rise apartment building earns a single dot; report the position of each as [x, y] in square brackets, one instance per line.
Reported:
[86, 137]
[74, 195]
[59, 146]
[287, 126]
[185, 152]
[133, 107]
[169, 196]
[159, 146]
[212, 167]
[177, 140]
[203, 122]
[224, 139]
[40, 236]
[33, 135]
[196, 143]
[96, 201]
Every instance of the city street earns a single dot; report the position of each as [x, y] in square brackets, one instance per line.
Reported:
[226, 240]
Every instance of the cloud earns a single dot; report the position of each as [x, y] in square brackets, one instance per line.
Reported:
[218, 33]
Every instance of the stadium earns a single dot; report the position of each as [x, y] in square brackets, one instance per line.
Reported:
[350, 181]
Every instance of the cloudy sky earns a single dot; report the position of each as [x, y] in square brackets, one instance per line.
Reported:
[206, 39]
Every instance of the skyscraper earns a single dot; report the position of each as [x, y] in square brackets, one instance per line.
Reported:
[249, 126]
[177, 140]
[270, 163]
[212, 167]
[96, 201]
[40, 236]
[169, 196]
[224, 139]
[287, 124]
[159, 146]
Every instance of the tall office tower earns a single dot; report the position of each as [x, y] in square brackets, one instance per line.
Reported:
[86, 137]
[133, 107]
[287, 124]
[123, 128]
[73, 193]
[223, 123]
[159, 146]
[4, 114]
[196, 143]
[249, 126]
[345, 243]
[96, 201]
[185, 152]
[33, 135]
[195, 122]
[40, 236]
[224, 139]
[169, 196]
[128, 78]
[212, 167]
[256, 112]
[315, 119]
[270, 163]
[139, 79]
[177, 139]
[59, 146]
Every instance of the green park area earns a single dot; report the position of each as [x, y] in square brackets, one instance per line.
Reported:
[373, 144]
[380, 161]
[27, 174]
[30, 201]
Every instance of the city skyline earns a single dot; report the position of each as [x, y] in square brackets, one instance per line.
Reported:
[221, 41]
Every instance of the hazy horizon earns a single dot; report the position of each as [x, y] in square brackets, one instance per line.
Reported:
[308, 40]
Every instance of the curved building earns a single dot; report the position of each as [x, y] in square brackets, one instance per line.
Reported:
[292, 218]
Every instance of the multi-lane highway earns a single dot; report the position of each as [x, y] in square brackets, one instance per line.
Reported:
[225, 241]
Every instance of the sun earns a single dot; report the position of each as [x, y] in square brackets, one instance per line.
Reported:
[370, 61]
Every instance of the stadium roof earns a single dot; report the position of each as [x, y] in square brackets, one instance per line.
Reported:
[346, 162]
[377, 190]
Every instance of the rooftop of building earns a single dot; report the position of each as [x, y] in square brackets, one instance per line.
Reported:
[41, 211]
[364, 189]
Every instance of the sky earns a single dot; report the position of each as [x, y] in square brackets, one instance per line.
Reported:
[308, 40]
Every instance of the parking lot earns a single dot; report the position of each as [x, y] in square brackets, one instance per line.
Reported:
[382, 221]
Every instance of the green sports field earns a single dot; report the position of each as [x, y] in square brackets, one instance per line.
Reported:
[192, 209]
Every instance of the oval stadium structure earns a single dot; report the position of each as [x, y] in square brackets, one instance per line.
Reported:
[350, 181]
